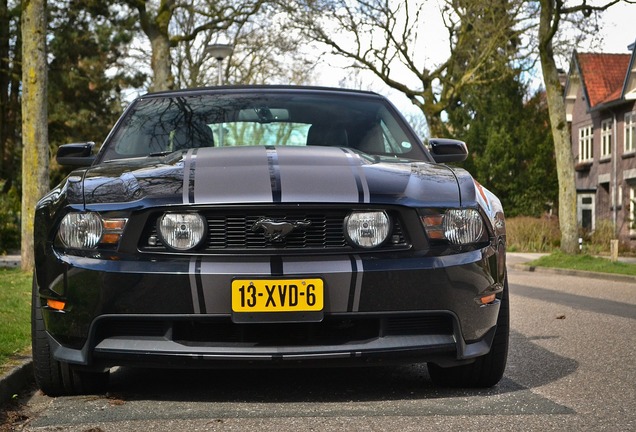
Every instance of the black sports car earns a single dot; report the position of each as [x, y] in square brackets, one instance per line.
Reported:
[267, 226]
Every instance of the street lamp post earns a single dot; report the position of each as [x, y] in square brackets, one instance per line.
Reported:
[219, 52]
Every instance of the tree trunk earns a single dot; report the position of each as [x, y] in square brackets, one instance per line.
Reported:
[161, 62]
[35, 152]
[4, 82]
[156, 29]
[14, 111]
[560, 131]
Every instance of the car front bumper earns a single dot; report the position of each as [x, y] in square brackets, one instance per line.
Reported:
[178, 312]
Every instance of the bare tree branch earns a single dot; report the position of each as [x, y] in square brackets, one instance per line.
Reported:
[381, 36]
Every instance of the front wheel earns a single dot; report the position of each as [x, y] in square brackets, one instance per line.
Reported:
[487, 370]
[57, 378]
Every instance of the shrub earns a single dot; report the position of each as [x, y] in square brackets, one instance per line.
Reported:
[597, 242]
[529, 234]
[9, 220]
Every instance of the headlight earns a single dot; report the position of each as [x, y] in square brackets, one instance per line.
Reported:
[457, 226]
[181, 231]
[81, 230]
[367, 229]
[463, 226]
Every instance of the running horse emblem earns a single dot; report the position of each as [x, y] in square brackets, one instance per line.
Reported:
[276, 230]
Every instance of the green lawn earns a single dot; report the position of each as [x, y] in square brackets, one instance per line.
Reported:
[15, 312]
[584, 262]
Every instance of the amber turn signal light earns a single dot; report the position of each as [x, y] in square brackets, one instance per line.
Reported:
[55, 304]
[488, 299]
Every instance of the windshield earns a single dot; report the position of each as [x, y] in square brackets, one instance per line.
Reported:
[161, 125]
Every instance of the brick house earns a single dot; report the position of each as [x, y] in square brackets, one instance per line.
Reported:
[600, 100]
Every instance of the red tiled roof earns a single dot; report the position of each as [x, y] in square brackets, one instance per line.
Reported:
[603, 75]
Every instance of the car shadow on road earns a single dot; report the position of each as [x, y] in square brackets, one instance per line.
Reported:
[137, 395]
[529, 366]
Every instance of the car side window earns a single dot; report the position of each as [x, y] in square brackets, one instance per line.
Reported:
[379, 140]
[390, 145]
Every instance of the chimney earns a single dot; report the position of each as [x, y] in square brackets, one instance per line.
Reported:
[563, 77]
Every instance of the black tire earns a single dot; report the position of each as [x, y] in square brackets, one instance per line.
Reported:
[57, 378]
[487, 370]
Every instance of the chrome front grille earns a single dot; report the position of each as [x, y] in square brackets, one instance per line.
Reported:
[233, 233]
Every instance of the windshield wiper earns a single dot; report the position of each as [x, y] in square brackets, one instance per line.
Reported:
[161, 153]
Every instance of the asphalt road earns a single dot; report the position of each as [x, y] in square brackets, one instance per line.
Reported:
[571, 367]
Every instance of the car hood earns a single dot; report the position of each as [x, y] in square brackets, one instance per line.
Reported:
[254, 175]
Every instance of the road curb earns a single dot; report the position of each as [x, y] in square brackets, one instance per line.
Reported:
[16, 379]
[581, 273]
[10, 261]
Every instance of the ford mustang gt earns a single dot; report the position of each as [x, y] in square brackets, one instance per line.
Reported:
[263, 226]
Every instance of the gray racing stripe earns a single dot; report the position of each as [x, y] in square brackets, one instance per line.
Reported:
[193, 285]
[232, 174]
[337, 273]
[274, 172]
[361, 180]
[358, 285]
[330, 181]
[188, 164]
[216, 279]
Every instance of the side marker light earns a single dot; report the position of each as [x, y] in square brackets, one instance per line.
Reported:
[55, 304]
[488, 299]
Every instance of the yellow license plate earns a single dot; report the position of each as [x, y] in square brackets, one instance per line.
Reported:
[277, 295]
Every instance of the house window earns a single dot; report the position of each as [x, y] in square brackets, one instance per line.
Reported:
[617, 200]
[606, 138]
[630, 132]
[585, 211]
[586, 142]
[632, 211]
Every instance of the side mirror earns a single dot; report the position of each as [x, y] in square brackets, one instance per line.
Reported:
[448, 150]
[76, 154]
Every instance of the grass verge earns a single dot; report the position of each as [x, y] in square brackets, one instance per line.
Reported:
[558, 259]
[15, 313]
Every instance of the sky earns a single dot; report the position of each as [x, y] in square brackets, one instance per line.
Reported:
[617, 31]
[619, 28]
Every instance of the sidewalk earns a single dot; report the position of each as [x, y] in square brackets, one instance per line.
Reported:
[513, 258]
[9, 261]
[517, 261]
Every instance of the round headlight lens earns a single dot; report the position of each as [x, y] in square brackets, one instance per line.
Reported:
[81, 230]
[463, 226]
[367, 229]
[181, 231]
